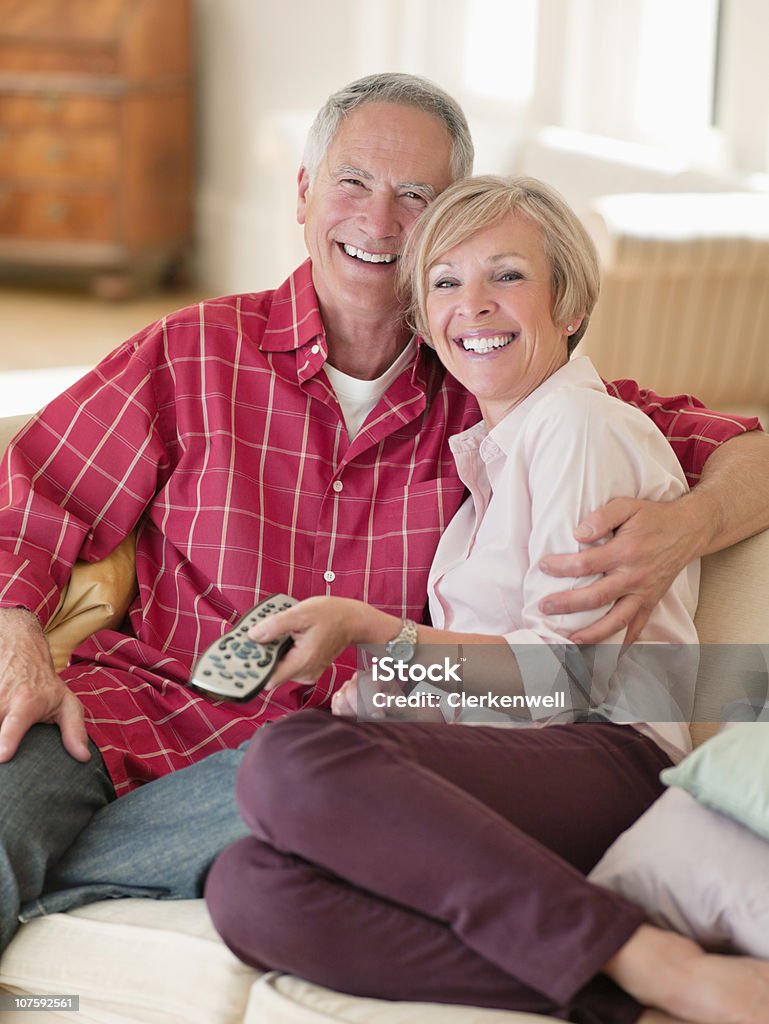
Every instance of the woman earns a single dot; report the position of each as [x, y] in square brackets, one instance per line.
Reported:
[408, 860]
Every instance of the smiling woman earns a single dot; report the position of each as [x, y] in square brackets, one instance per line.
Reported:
[507, 281]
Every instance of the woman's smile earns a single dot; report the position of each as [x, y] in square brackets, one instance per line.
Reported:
[485, 344]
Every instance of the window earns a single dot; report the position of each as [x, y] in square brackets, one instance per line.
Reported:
[675, 80]
[501, 48]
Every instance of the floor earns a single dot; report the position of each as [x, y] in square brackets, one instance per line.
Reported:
[49, 338]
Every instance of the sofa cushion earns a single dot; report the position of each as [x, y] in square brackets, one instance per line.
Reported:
[97, 596]
[161, 962]
[131, 960]
[283, 999]
[730, 773]
[695, 871]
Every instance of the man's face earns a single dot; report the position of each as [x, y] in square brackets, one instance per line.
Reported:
[384, 165]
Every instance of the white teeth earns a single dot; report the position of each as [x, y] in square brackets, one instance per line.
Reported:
[369, 257]
[486, 344]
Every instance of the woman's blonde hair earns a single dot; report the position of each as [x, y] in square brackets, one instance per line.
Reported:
[473, 204]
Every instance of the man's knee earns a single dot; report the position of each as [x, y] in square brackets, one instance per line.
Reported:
[42, 785]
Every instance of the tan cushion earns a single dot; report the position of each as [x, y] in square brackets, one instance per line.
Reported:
[97, 596]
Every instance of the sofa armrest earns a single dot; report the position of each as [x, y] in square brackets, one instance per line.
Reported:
[732, 623]
[97, 595]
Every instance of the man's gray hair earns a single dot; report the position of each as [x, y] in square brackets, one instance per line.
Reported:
[391, 87]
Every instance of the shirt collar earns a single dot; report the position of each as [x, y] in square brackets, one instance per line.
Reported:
[578, 372]
[294, 318]
[294, 321]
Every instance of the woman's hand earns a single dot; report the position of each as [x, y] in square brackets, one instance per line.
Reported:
[321, 628]
[356, 699]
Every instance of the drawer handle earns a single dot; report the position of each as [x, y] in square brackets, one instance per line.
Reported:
[50, 103]
[56, 153]
[56, 212]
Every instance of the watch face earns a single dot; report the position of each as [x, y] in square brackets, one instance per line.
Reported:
[401, 650]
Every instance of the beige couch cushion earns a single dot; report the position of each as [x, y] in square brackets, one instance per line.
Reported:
[283, 999]
[162, 963]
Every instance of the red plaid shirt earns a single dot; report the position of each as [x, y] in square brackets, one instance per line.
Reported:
[216, 432]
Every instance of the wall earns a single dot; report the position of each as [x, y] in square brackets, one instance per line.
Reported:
[265, 66]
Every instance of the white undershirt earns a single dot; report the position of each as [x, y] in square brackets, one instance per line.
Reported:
[358, 397]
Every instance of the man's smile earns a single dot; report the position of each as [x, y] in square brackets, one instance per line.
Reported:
[369, 257]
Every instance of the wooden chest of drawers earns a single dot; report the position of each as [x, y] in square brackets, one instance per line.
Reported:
[95, 135]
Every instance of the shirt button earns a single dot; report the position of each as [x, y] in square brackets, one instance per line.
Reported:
[315, 349]
[338, 486]
[329, 576]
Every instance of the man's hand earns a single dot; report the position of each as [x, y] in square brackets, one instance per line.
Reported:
[653, 542]
[30, 690]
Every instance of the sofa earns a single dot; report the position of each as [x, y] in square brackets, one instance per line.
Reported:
[162, 963]
[684, 301]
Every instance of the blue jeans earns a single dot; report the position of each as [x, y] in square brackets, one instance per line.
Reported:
[46, 799]
[158, 841]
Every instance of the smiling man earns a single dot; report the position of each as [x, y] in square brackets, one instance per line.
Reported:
[381, 169]
[292, 441]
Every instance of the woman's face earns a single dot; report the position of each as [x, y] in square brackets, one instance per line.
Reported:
[489, 303]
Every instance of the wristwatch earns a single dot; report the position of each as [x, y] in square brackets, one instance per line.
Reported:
[403, 647]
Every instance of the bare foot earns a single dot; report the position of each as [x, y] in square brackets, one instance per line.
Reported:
[671, 973]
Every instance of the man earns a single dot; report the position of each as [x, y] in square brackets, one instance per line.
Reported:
[289, 441]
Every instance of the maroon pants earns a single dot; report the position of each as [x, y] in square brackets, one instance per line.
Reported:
[438, 863]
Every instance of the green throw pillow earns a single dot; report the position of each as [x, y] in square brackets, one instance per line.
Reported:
[730, 773]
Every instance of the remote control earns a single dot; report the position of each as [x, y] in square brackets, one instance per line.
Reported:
[237, 668]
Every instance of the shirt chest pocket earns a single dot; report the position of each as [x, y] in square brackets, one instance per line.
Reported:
[425, 508]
